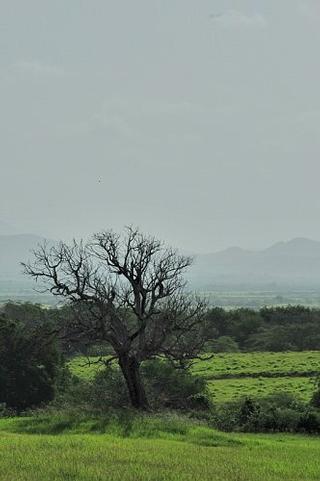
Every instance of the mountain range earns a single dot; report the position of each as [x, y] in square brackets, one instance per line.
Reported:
[295, 263]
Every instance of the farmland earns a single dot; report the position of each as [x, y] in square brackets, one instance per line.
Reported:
[234, 375]
[223, 390]
[259, 363]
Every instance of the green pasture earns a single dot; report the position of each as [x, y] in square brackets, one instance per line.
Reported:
[234, 375]
[176, 452]
[231, 364]
[224, 390]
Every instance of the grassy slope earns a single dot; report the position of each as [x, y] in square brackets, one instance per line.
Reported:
[233, 375]
[151, 453]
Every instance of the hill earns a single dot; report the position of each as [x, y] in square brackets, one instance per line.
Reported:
[295, 263]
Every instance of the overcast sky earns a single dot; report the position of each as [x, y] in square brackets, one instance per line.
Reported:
[197, 120]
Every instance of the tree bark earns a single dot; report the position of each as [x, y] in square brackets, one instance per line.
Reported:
[131, 371]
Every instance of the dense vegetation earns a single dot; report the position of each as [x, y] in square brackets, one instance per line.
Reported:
[228, 375]
[291, 328]
[29, 364]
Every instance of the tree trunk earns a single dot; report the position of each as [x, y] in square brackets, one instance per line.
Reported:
[131, 371]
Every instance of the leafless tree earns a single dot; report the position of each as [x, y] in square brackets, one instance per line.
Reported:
[129, 291]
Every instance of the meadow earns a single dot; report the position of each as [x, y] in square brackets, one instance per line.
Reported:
[231, 376]
[224, 390]
[151, 450]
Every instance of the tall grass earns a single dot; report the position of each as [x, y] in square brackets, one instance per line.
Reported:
[158, 449]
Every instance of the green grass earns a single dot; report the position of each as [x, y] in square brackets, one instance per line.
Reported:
[85, 368]
[77, 446]
[234, 375]
[224, 390]
[232, 364]
[153, 450]
[258, 363]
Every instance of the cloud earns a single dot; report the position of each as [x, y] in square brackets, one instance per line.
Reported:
[37, 69]
[236, 19]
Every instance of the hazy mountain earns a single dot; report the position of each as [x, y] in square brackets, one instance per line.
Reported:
[295, 263]
[292, 263]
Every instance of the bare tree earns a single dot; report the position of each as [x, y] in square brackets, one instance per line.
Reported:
[128, 291]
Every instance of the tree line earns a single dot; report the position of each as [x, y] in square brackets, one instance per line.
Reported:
[275, 329]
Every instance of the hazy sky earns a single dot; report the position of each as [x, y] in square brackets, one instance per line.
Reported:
[198, 120]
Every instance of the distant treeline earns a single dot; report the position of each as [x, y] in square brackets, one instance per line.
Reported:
[291, 328]
[276, 329]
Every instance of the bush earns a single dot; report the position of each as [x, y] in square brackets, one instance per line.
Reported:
[174, 388]
[315, 400]
[166, 387]
[276, 413]
[310, 421]
[224, 344]
[29, 365]
[109, 390]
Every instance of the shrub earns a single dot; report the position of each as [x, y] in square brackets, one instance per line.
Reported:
[166, 387]
[315, 400]
[174, 388]
[310, 421]
[109, 390]
[29, 365]
[224, 344]
[276, 413]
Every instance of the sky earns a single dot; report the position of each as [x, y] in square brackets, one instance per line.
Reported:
[196, 120]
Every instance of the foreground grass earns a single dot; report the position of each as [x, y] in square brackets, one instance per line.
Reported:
[154, 449]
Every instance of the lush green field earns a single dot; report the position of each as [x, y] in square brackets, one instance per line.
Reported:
[259, 363]
[223, 390]
[255, 374]
[65, 447]
[175, 452]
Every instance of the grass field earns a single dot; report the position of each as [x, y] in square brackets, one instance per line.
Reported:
[234, 375]
[259, 363]
[172, 451]
[165, 447]
[223, 390]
